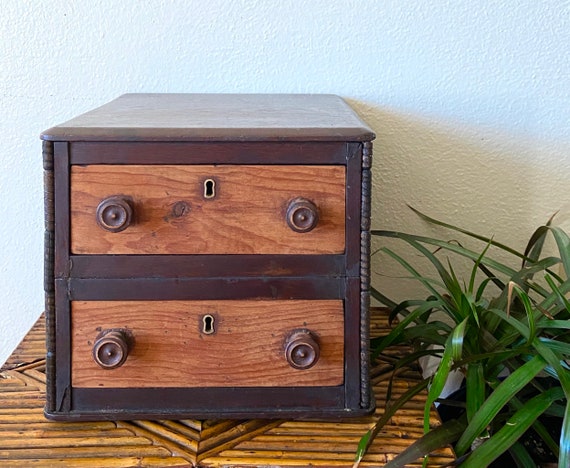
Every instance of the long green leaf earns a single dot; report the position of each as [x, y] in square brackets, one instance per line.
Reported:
[563, 242]
[525, 299]
[367, 439]
[521, 456]
[499, 356]
[500, 267]
[522, 277]
[482, 288]
[555, 324]
[513, 429]
[497, 400]
[452, 352]
[466, 232]
[427, 282]
[397, 331]
[516, 404]
[536, 243]
[413, 357]
[564, 378]
[431, 333]
[476, 267]
[475, 387]
[564, 456]
[558, 292]
[513, 322]
[552, 299]
[382, 298]
[557, 346]
[439, 437]
[554, 360]
[402, 308]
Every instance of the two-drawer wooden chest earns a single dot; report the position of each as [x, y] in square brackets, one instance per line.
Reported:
[208, 256]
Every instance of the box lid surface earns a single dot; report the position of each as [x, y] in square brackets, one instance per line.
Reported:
[216, 117]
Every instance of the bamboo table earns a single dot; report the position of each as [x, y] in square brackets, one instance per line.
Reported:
[28, 439]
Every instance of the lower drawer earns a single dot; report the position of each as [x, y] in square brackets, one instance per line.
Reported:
[230, 343]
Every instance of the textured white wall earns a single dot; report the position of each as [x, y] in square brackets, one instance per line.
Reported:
[470, 100]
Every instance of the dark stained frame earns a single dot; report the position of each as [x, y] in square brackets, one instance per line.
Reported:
[117, 277]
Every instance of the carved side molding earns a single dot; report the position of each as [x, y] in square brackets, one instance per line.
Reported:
[49, 283]
[365, 212]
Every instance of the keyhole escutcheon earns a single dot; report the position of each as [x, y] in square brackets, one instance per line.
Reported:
[209, 188]
[208, 324]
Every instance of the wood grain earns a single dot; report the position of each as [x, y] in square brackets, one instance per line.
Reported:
[208, 443]
[217, 117]
[247, 215]
[171, 351]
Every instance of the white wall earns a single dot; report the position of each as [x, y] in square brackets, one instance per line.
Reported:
[470, 100]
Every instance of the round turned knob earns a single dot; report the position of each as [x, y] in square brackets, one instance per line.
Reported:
[302, 215]
[114, 214]
[302, 350]
[111, 349]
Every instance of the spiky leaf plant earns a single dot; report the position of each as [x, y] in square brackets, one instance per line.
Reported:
[505, 329]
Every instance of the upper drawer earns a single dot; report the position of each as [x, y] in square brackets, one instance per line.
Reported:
[207, 209]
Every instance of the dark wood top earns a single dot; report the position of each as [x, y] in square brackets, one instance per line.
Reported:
[216, 117]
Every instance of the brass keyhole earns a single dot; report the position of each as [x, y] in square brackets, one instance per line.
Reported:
[209, 188]
[208, 324]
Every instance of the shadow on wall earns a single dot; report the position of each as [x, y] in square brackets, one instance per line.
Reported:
[482, 179]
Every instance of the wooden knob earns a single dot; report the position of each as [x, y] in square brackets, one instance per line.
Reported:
[111, 349]
[302, 350]
[114, 214]
[302, 215]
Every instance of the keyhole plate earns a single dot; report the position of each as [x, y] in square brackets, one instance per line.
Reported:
[208, 324]
[209, 188]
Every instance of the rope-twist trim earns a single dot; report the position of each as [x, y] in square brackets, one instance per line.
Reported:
[49, 283]
[365, 274]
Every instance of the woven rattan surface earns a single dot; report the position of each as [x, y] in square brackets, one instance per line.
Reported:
[28, 439]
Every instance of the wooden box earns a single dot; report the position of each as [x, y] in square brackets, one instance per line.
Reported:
[208, 256]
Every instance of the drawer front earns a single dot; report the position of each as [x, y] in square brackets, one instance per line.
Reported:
[207, 209]
[234, 343]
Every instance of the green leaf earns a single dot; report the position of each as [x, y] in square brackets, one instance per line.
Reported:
[555, 324]
[413, 357]
[367, 439]
[557, 346]
[439, 437]
[497, 400]
[403, 309]
[558, 292]
[564, 456]
[476, 267]
[397, 331]
[427, 282]
[521, 456]
[452, 352]
[513, 322]
[521, 278]
[516, 404]
[553, 360]
[500, 267]
[432, 333]
[363, 445]
[564, 378]
[536, 243]
[514, 428]
[382, 298]
[523, 296]
[563, 242]
[475, 387]
[468, 233]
